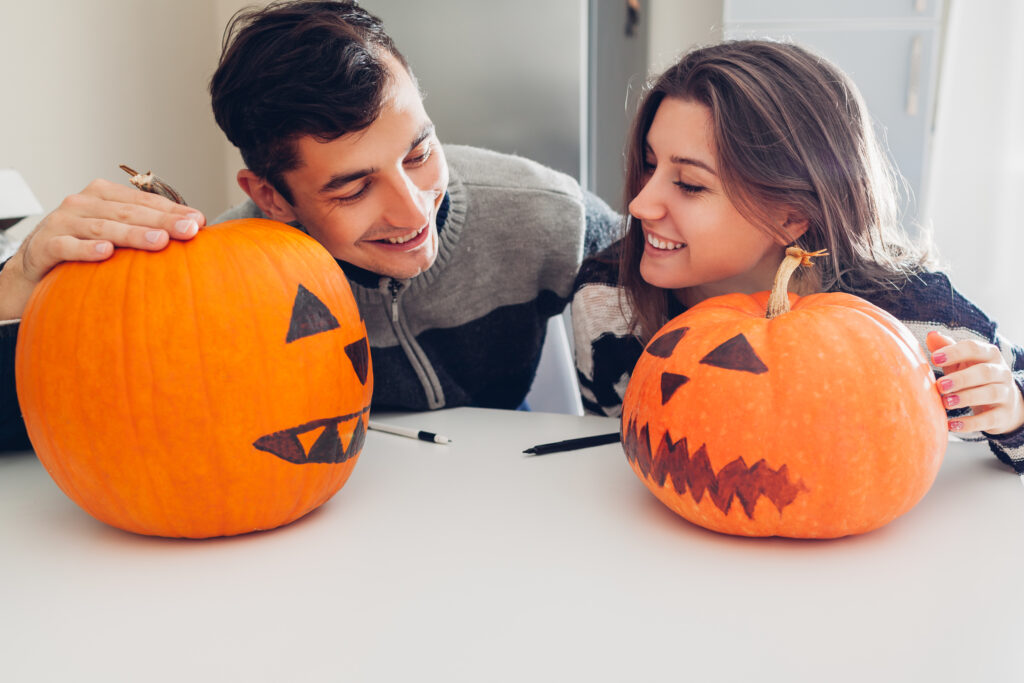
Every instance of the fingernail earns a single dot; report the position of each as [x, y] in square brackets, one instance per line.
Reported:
[952, 400]
[103, 247]
[939, 358]
[955, 425]
[186, 227]
[152, 236]
[945, 384]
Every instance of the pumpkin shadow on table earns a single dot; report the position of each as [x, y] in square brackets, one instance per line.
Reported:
[104, 533]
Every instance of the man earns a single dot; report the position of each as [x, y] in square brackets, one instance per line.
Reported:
[456, 256]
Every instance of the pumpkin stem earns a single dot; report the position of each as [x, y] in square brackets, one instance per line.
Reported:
[778, 302]
[147, 182]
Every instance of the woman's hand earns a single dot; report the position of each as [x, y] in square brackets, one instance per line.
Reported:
[977, 377]
[87, 227]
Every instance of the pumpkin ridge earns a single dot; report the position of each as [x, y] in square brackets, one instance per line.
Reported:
[119, 510]
[136, 268]
[192, 270]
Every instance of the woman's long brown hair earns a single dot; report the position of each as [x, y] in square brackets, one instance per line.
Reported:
[789, 131]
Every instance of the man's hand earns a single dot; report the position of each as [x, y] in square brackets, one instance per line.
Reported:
[88, 226]
[977, 377]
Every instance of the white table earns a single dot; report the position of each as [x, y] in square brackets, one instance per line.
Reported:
[472, 562]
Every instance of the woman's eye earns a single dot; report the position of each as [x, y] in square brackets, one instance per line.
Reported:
[689, 189]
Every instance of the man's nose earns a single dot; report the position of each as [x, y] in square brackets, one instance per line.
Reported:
[405, 208]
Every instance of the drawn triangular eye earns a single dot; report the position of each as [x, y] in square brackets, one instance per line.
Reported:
[309, 316]
[359, 353]
[735, 354]
[663, 346]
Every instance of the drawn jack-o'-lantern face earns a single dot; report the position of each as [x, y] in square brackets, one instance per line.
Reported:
[820, 423]
[219, 386]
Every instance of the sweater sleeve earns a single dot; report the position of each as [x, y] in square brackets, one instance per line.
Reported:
[12, 428]
[603, 224]
[930, 302]
[605, 350]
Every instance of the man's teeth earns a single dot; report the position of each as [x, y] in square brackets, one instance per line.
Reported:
[405, 238]
[655, 242]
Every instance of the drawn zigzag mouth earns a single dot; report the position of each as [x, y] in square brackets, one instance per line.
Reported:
[694, 472]
[328, 447]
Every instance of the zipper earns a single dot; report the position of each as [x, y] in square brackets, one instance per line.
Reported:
[395, 287]
[416, 356]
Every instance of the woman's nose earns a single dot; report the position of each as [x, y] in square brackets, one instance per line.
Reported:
[645, 205]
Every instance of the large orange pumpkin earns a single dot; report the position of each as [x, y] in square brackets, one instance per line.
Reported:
[219, 386]
[820, 422]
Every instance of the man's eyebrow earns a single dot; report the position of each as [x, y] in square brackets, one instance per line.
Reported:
[691, 162]
[341, 180]
[338, 181]
[425, 132]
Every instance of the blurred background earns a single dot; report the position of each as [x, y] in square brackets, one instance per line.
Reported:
[88, 86]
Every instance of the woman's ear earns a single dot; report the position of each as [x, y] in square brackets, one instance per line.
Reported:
[794, 225]
[263, 194]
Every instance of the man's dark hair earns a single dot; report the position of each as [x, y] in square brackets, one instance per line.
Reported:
[293, 69]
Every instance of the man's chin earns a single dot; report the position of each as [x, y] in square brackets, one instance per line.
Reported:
[403, 269]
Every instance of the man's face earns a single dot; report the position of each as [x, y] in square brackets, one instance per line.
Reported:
[371, 197]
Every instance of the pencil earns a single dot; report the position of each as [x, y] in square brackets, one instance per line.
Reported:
[409, 433]
[573, 444]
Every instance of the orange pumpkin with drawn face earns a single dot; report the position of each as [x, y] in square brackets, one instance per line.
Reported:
[219, 386]
[821, 422]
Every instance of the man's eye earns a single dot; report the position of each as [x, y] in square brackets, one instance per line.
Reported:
[420, 158]
[354, 196]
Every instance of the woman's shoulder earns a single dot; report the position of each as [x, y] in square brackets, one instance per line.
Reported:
[930, 297]
[601, 269]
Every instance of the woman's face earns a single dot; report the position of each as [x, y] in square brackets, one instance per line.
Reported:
[695, 238]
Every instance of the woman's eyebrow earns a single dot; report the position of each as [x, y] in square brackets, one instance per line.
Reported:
[691, 162]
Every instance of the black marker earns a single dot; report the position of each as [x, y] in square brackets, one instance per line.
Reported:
[573, 444]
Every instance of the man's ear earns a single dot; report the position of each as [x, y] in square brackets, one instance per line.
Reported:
[263, 194]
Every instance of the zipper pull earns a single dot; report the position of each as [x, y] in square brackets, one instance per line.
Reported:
[394, 286]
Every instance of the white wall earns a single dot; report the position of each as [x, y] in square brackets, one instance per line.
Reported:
[978, 158]
[677, 26]
[90, 85]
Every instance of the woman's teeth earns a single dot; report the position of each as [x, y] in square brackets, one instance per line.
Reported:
[405, 238]
[661, 244]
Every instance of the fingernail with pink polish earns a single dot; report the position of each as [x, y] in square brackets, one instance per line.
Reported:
[939, 358]
[945, 384]
[952, 400]
[955, 425]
